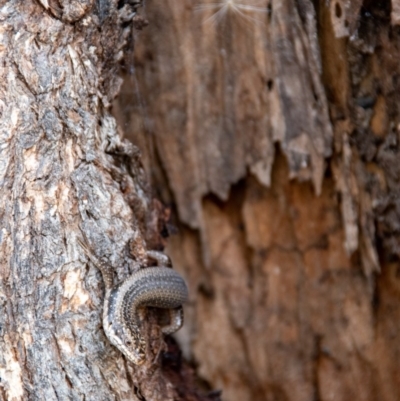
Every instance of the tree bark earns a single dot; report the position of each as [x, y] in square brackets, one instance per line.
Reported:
[275, 140]
[66, 171]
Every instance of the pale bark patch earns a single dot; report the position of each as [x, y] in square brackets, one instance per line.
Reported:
[73, 290]
[10, 374]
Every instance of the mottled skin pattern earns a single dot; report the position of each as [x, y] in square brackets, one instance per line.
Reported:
[159, 287]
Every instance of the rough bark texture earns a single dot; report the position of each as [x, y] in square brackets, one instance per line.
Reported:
[64, 169]
[276, 142]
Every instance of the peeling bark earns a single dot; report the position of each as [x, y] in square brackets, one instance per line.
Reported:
[293, 296]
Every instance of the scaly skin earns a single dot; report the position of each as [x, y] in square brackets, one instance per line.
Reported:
[159, 287]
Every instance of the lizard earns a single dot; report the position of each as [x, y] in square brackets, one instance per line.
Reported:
[159, 286]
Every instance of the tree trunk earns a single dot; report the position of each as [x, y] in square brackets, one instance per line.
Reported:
[274, 136]
[66, 174]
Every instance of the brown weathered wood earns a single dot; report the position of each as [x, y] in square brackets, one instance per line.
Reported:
[294, 296]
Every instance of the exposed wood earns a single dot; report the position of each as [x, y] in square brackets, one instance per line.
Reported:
[275, 140]
[209, 67]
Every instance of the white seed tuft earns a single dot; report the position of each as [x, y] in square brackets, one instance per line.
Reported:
[233, 7]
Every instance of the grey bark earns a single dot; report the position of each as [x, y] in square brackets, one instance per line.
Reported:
[64, 169]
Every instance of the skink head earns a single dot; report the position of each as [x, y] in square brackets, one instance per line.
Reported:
[132, 345]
